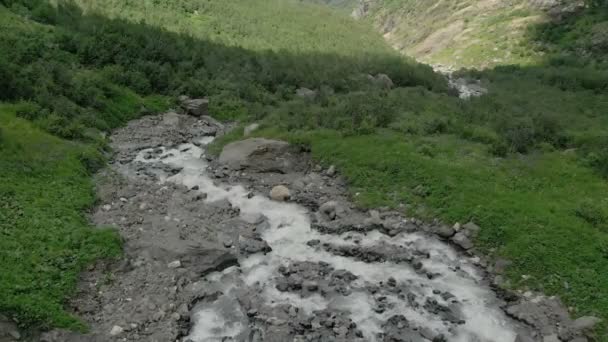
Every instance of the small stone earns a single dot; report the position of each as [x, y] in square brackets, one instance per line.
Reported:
[311, 286]
[280, 193]
[123, 200]
[116, 330]
[107, 207]
[331, 171]
[457, 227]
[175, 264]
[175, 316]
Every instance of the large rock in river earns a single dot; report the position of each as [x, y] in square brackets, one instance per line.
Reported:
[195, 107]
[259, 154]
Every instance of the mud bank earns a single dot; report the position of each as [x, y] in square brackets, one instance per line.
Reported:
[210, 257]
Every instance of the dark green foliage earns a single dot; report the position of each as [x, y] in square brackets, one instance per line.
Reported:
[73, 69]
[594, 213]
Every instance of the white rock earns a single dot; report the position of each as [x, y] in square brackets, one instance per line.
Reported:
[331, 171]
[280, 193]
[250, 129]
[175, 264]
[107, 207]
[123, 200]
[116, 330]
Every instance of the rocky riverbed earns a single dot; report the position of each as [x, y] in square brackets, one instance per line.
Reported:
[262, 245]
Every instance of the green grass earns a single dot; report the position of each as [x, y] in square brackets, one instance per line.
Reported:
[45, 239]
[254, 24]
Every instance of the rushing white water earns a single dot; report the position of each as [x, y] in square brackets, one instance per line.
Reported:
[289, 231]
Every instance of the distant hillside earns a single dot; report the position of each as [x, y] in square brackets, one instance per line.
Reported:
[455, 32]
[469, 33]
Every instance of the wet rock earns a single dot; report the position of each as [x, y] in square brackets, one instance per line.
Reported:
[259, 155]
[280, 193]
[448, 313]
[116, 330]
[202, 260]
[543, 313]
[313, 243]
[397, 329]
[195, 107]
[374, 219]
[331, 210]
[444, 231]
[471, 229]
[253, 244]
[462, 240]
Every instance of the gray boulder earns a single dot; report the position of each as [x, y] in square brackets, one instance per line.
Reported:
[260, 155]
[8, 330]
[280, 193]
[383, 81]
[205, 260]
[195, 107]
[444, 231]
[462, 240]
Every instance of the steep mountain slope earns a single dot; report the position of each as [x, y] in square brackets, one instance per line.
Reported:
[464, 33]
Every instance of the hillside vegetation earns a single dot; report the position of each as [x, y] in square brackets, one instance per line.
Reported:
[528, 161]
[76, 72]
[459, 33]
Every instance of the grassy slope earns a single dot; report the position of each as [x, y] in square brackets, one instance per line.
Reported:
[271, 24]
[45, 238]
[82, 74]
[459, 33]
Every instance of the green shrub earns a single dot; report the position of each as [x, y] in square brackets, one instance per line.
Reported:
[599, 161]
[92, 160]
[499, 148]
[519, 135]
[592, 212]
